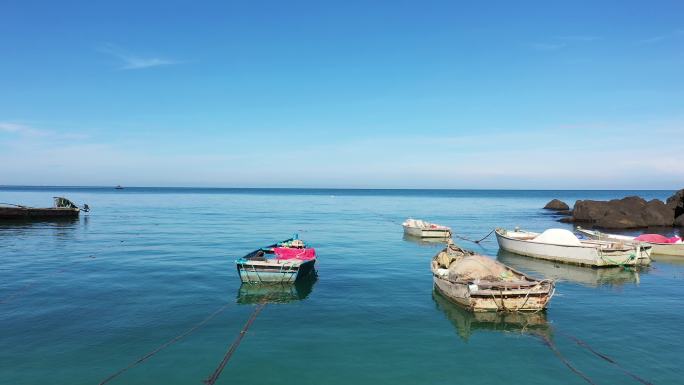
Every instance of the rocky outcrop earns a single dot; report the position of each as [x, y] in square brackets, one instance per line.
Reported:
[676, 203]
[557, 205]
[631, 212]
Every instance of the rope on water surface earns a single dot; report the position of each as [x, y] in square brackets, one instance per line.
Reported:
[564, 360]
[233, 347]
[165, 345]
[474, 241]
[606, 358]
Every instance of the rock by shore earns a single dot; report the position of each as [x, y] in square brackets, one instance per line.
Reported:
[557, 205]
[630, 212]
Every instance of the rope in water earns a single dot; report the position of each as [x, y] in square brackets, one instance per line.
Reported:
[233, 347]
[564, 360]
[474, 241]
[165, 345]
[606, 358]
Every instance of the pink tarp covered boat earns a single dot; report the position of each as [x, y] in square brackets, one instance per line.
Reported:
[661, 245]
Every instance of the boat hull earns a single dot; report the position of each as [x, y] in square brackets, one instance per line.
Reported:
[584, 255]
[37, 213]
[480, 300]
[274, 272]
[426, 233]
[672, 249]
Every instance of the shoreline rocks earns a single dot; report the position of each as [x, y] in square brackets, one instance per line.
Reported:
[630, 212]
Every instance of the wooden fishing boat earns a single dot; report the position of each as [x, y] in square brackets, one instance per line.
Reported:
[672, 247]
[468, 323]
[422, 229]
[282, 262]
[561, 245]
[62, 209]
[482, 284]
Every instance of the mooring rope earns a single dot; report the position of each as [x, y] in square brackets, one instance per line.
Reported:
[564, 360]
[165, 345]
[474, 241]
[233, 347]
[605, 357]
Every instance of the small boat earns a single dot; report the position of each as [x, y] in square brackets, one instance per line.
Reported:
[282, 262]
[118, 187]
[564, 272]
[482, 284]
[660, 245]
[561, 245]
[468, 323]
[63, 208]
[423, 229]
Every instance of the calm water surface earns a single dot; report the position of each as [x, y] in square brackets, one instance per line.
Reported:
[81, 300]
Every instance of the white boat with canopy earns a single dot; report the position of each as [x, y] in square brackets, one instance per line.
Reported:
[561, 245]
[423, 229]
[661, 245]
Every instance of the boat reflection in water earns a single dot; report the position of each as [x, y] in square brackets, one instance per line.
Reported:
[430, 242]
[250, 293]
[583, 275]
[467, 323]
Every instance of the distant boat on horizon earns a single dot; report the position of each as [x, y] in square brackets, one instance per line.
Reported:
[118, 187]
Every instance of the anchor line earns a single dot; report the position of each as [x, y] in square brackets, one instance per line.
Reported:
[474, 241]
[233, 347]
[564, 360]
[165, 345]
[605, 357]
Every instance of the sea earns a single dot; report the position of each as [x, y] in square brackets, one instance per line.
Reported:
[143, 289]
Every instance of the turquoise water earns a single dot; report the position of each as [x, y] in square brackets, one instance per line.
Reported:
[81, 300]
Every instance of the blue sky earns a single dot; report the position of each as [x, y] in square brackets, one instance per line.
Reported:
[343, 94]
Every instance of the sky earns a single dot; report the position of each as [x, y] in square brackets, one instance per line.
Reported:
[348, 94]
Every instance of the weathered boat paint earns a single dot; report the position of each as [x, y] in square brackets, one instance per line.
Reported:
[527, 294]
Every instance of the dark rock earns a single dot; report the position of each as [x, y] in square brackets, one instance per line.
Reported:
[557, 205]
[679, 221]
[564, 212]
[567, 220]
[626, 213]
[676, 203]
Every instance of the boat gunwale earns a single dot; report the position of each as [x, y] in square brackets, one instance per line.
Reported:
[573, 246]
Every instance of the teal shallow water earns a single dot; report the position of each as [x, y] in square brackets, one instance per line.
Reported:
[80, 300]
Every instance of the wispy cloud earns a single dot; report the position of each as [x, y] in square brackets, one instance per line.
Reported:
[132, 61]
[20, 129]
[661, 38]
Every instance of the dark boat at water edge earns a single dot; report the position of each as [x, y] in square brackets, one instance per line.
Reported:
[62, 209]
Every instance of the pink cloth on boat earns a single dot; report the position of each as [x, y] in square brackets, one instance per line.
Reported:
[292, 253]
[656, 238]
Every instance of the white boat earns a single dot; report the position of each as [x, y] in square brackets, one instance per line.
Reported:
[561, 245]
[422, 229]
[483, 284]
[674, 249]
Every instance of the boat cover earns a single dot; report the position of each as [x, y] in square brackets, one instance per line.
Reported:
[473, 267]
[294, 253]
[558, 237]
[657, 238]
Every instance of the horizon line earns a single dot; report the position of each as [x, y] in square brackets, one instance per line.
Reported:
[328, 188]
